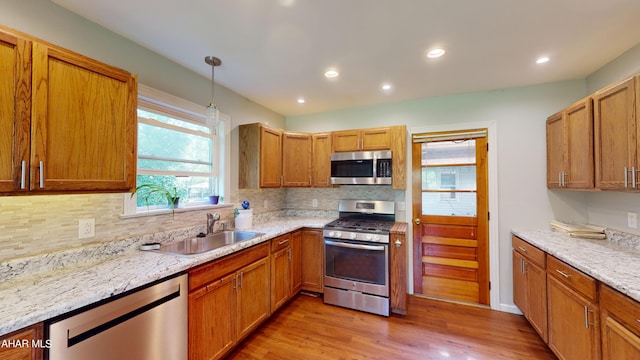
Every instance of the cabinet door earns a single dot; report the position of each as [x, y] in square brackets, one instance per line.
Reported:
[536, 278]
[270, 157]
[572, 333]
[83, 123]
[15, 115]
[348, 140]
[579, 132]
[296, 160]
[212, 319]
[555, 150]
[253, 296]
[618, 342]
[296, 262]
[398, 269]
[280, 278]
[312, 260]
[615, 132]
[519, 283]
[23, 353]
[376, 139]
[321, 160]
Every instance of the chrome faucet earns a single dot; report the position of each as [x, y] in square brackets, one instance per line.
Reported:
[211, 220]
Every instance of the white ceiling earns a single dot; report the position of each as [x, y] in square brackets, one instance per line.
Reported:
[274, 51]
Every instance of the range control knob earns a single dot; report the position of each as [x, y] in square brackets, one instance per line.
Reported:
[338, 234]
[369, 237]
[353, 235]
[376, 238]
[332, 233]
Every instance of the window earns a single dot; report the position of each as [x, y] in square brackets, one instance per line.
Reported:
[178, 150]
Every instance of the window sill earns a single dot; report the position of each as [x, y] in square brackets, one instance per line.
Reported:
[171, 211]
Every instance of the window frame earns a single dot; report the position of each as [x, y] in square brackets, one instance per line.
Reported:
[150, 99]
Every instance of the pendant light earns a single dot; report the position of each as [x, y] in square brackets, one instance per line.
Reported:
[213, 113]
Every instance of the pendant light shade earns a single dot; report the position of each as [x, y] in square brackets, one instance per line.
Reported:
[213, 113]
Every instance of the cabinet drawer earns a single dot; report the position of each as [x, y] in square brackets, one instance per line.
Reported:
[623, 308]
[572, 277]
[205, 274]
[531, 252]
[281, 242]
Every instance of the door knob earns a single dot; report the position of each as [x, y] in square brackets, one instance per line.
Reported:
[417, 221]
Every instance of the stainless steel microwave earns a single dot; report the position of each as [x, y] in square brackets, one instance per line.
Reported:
[361, 167]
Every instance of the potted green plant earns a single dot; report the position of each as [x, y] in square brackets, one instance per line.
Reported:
[148, 190]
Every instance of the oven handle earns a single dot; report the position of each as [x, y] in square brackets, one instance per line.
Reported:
[354, 246]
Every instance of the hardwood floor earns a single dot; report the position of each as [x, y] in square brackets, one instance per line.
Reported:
[308, 329]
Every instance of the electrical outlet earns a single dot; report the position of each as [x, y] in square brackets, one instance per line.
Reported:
[86, 228]
[402, 206]
[632, 220]
[314, 202]
[266, 203]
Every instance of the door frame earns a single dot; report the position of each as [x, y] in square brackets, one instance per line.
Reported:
[494, 240]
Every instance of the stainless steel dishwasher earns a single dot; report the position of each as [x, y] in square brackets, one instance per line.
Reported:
[150, 323]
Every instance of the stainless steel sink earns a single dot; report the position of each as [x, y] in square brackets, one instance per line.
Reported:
[210, 242]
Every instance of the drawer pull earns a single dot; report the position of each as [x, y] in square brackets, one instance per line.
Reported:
[283, 241]
[563, 274]
[522, 249]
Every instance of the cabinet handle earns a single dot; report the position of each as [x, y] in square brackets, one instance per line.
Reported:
[241, 278]
[560, 179]
[586, 317]
[283, 241]
[23, 174]
[310, 180]
[289, 254]
[41, 174]
[563, 274]
[521, 268]
[626, 177]
[633, 177]
[522, 249]
[397, 243]
[564, 175]
[235, 285]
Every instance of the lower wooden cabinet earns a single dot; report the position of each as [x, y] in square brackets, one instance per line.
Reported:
[312, 260]
[286, 268]
[224, 309]
[620, 327]
[573, 323]
[530, 285]
[20, 344]
[398, 266]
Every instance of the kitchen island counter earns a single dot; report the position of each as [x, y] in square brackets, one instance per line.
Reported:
[41, 287]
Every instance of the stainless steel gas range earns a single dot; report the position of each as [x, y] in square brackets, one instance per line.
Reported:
[356, 246]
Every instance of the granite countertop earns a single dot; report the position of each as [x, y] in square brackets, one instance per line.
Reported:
[615, 261]
[41, 287]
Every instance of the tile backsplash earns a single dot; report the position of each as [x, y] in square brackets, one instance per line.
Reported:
[31, 225]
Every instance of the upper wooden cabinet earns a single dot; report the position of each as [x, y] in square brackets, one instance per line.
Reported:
[570, 159]
[15, 117]
[616, 136]
[363, 139]
[296, 159]
[321, 160]
[260, 158]
[70, 121]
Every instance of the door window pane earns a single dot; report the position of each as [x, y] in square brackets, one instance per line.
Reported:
[449, 178]
[449, 152]
[449, 203]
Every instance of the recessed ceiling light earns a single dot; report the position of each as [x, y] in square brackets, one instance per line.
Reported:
[331, 74]
[386, 87]
[542, 60]
[435, 53]
[300, 100]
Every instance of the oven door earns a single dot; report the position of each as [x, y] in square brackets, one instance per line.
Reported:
[357, 266]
